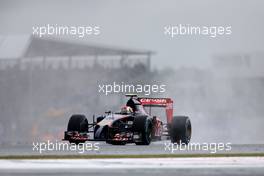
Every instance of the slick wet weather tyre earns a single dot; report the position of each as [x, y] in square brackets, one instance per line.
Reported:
[146, 133]
[181, 130]
[78, 123]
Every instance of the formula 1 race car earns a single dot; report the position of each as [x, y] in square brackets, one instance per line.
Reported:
[131, 125]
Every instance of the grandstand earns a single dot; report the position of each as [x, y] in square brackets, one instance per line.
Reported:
[23, 51]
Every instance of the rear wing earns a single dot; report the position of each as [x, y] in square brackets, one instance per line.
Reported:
[167, 103]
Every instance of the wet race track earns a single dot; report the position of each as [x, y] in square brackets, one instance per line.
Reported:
[101, 148]
[235, 165]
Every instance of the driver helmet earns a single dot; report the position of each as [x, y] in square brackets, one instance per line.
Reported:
[126, 110]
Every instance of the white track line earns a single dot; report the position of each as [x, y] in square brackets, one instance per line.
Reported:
[208, 162]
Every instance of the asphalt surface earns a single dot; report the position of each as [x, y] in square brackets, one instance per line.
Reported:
[242, 166]
[101, 148]
[208, 166]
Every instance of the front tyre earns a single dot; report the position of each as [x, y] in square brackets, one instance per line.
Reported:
[146, 133]
[181, 130]
[77, 123]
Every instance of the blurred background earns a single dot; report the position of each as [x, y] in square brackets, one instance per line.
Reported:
[218, 81]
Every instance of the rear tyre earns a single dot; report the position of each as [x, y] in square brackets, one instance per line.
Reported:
[146, 132]
[181, 130]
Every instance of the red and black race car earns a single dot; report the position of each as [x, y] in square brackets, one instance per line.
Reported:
[131, 125]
